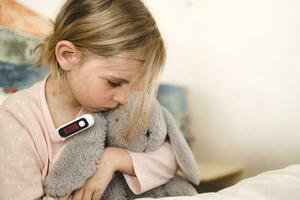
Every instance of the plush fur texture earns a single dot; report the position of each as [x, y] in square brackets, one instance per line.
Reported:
[78, 160]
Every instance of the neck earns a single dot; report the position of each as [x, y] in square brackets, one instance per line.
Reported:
[60, 94]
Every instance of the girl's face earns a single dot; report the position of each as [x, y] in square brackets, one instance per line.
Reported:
[103, 83]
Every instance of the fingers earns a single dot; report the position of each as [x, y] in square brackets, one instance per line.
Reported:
[87, 194]
[64, 197]
[97, 195]
[95, 185]
[78, 194]
[92, 192]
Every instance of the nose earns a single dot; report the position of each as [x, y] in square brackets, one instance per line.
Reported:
[121, 96]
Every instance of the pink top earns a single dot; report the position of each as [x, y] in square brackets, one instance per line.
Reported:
[29, 147]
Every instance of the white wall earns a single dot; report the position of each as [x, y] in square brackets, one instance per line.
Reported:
[46, 8]
[240, 61]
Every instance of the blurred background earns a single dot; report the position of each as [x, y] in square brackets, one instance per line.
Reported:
[236, 65]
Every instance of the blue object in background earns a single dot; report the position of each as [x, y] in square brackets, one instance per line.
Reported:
[20, 76]
[16, 60]
[173, 98]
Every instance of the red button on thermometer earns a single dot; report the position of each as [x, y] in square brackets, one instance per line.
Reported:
[75, 126]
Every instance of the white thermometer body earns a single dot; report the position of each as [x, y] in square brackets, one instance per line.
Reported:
[75, 126]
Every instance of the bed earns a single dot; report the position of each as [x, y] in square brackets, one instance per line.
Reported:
[282, 184]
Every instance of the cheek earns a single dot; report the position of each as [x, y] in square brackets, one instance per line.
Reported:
[98, 93]
[91, 91]
[100, 96]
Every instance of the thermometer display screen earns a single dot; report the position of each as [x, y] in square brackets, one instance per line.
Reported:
[72, 128]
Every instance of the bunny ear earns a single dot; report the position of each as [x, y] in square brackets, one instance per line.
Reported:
[183, 153]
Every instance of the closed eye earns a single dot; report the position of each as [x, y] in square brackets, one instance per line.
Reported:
[114, 84]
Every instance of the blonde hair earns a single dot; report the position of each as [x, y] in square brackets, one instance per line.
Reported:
[108, 28]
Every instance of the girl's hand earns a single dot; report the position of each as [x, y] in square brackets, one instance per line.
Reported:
[66, 197]
[113, 159]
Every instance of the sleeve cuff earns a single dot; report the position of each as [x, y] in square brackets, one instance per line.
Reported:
[133, 183]
[152, 169]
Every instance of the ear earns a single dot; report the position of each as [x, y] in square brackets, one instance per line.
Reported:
[67, 54]
[184, 155]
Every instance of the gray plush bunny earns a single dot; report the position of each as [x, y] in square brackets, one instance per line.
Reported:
[78, 160]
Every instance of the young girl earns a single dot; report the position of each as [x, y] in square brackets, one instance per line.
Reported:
[99, 51]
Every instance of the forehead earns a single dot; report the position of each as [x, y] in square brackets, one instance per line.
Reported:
[125, 62]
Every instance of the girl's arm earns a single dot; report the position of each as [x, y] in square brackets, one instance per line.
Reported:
[142, 171]
[20, 166]
[120, 159]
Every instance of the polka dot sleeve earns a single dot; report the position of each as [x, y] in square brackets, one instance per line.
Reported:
[20, 171]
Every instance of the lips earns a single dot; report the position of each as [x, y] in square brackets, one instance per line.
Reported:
[107, 108]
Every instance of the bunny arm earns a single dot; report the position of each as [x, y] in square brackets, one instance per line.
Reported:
[182, 151]
[78, 160]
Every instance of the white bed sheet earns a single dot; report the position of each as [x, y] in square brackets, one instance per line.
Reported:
[283, 184]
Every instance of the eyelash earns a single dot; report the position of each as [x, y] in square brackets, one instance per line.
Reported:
[114, 84]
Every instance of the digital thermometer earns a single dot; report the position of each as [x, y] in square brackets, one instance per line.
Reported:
[75, 126]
